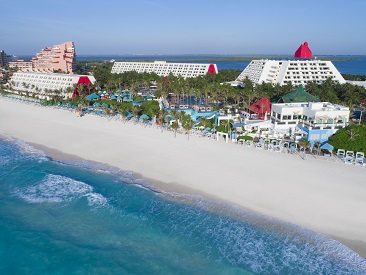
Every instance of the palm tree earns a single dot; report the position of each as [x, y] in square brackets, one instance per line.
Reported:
[80, 88]
[352, 133]
[317, 147]
[204, 121]
[175, 127]
[161, 118]
[135, 111]
[188, 124]
[304, 143]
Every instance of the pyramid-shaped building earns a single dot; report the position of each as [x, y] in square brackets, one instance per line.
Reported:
[299, 71]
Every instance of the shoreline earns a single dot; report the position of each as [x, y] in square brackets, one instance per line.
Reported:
[163, 188]
[259, 181]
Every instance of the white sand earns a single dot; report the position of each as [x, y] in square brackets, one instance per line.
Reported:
[325, 196]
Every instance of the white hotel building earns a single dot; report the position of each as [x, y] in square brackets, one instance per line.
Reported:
[40, 83]
[299, 72]
[162, 68]
[319, 120]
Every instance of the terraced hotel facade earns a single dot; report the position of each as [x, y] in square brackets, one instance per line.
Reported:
[299, 71]
[58, 58]
[162, 68]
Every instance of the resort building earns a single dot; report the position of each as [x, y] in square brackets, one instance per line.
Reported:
[44, 83]
[299, 71]
[162, 68]
[317, 120]
[59, 58]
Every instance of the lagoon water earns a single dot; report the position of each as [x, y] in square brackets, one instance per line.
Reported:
[79, 217]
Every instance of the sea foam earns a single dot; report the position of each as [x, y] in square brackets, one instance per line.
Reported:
[57, 188]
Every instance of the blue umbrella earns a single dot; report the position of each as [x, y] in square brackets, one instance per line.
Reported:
[92, 96]
[143, 116]
[327, 146]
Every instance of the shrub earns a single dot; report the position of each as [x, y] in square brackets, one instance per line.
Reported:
[352, 137]
[245, 138]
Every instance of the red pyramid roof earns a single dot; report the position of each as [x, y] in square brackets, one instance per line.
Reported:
[303, 51]
[84, 80]
[261, 107]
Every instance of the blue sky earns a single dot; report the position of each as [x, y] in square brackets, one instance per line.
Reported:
[184, 26]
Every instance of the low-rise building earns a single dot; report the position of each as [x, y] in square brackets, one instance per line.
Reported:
[318, 120]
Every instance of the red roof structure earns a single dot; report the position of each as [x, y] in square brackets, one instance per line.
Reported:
[303, 51]
[84, 80]
[261, 107]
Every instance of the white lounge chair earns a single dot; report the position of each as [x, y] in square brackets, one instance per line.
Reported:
[360, 158]
[341, 153]
[249, 143]
[350, 157]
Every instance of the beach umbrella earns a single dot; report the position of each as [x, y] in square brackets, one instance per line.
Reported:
[92, 96]
[127, 99]
[96, 104]
[144, 117]
[112, 96]
[327, 146]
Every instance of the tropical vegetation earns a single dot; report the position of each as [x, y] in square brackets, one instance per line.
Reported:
[352, 137]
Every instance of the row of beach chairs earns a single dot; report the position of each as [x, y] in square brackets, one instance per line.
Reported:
[349, 157]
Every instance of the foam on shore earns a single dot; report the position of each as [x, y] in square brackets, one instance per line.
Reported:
[327, 197]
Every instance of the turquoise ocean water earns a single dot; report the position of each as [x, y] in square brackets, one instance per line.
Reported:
[77, 217]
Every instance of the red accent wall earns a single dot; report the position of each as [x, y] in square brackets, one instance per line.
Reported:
[261, 107]
[211, 69]
[84, 80]
[303, 51]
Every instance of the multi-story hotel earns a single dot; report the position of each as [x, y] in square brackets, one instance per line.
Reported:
[42, 83]
[162, 68]
[299, 71]
[319, 120]
[3, 59]
[59, 58]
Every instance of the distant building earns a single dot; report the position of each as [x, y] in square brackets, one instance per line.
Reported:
[59, 58]
[3, 59]
[43, 83]
[319, 120]
[162, 68]
[299, 71]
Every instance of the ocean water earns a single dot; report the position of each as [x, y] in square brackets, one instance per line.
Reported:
[77, 217]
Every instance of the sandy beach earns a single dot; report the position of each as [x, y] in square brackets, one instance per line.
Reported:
[322, 195]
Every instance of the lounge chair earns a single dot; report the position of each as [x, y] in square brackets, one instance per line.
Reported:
[259, 145]
[349, 158]
[341, 153]
[248, 143]
[360, 158]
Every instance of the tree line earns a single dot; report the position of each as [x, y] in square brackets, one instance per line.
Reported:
[211, 88]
